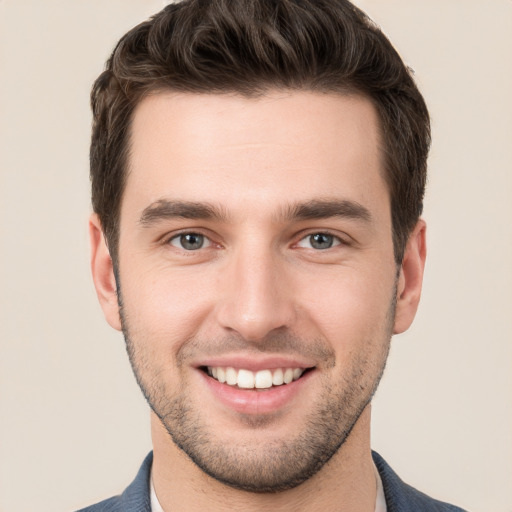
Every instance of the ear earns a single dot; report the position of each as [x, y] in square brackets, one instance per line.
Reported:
[103, 273]
[410, 279]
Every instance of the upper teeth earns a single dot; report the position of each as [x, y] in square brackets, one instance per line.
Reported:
[260, 380]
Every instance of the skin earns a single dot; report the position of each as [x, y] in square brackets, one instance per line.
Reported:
[257, 289]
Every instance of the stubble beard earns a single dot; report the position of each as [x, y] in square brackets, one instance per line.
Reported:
[278, 464]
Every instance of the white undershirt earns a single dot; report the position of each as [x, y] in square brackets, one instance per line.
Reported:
[155, 504]
[380, 504]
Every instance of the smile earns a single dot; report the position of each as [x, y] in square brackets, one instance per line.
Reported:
[256, 386]
[247, 379]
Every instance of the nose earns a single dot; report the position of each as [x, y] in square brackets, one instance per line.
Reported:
[256, 296]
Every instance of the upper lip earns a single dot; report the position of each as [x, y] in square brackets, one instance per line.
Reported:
[255, 362]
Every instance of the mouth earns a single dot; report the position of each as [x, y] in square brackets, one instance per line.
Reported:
[261, 380]
[256, 387]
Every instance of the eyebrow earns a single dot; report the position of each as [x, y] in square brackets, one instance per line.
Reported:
[327, 208]
[165, 209]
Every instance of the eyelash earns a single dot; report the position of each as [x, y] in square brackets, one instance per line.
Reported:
[168, 241]
[337, 240]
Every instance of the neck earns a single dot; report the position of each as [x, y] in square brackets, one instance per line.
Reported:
[346, 483]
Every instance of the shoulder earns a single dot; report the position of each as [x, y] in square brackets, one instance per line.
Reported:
[135, 498]
[111, 505]
[401, 497]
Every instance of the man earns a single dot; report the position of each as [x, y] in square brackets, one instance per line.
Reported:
[258, 170]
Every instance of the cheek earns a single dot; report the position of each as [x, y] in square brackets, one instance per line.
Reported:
[352, 307]
[164, 306]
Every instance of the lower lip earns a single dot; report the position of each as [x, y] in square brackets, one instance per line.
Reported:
[252, 401]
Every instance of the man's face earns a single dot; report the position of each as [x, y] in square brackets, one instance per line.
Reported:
[256, 247]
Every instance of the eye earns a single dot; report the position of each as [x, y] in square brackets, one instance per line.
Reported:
[319, 241]
[190, 241]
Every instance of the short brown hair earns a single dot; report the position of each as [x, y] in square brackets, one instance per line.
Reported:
[249, 47]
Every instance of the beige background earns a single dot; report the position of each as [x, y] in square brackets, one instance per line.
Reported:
[73, 425]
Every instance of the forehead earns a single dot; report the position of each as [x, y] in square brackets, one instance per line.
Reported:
[285, 145]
